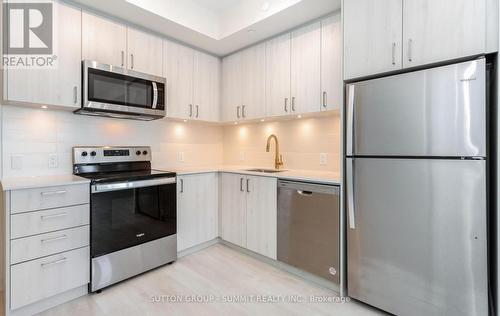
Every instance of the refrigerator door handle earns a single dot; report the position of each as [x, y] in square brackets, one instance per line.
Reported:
[350, 120]
[350, 192]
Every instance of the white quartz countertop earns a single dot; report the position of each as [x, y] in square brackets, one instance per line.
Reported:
[324, 177]
[17, 183]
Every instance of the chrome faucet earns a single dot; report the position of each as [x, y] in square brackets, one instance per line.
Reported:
[278, 159]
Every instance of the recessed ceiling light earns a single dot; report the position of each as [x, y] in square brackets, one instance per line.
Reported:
[44, 107]
[299, 116]
[250, 31]
[235, 123]
[262, 120]
[185, 121]
[265, 6]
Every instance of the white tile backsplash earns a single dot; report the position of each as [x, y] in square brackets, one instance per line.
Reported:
[35, 134]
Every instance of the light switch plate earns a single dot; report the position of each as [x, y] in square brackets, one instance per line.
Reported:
[16, 162]
[53, 161]
[323, 159]
[181, 156]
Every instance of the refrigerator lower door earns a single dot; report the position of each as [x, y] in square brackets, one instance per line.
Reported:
[416, 235]
[434, 112]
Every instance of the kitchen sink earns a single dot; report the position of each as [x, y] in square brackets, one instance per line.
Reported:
[265, 170]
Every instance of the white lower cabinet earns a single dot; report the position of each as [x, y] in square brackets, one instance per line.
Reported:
[249, 212]
[47, 240]
[262, 205]
[196, 209]
[38, 279]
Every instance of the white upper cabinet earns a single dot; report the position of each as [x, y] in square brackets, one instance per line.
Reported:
[206, 87]
[278, 75]
[196, 209]
[231, 87]
[103, 40]
[244, 84]
[306, 69]
[60, 86]
[372, 37]
[435, 31]
[178, 70]
[144, 52]
[331, 63]
[253, 90]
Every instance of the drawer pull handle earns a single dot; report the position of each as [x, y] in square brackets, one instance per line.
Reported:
[48, 264]
[44, 217]
[53, 193]
[54, 239]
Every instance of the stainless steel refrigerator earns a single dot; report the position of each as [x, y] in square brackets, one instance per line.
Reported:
[416, 183]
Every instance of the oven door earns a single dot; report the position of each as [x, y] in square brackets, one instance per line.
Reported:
[119, 90]
[127, 214]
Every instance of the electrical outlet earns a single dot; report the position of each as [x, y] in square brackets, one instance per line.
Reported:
[181, 156]
[323, 159]
[242, 156]
[53, 161]
[16, 162]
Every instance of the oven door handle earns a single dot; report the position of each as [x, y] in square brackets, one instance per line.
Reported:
[115, 186]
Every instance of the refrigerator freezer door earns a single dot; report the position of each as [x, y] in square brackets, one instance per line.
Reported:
[434, 112]
[419, 242]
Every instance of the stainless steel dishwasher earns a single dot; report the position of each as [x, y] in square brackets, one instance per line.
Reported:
[308, 227]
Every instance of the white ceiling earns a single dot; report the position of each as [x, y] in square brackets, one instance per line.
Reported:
[217, 26]
[218, 6]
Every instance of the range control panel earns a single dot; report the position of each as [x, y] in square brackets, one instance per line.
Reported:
[108, 154]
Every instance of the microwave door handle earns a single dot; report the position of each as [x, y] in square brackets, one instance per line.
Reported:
[155, 95]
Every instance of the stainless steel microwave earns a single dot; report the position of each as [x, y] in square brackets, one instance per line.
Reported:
[122, 93]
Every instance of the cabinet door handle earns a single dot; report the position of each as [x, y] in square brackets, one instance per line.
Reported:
[43, 241]
[248, 185]
[182, 185]
[190, 110]
[123, 58]
[243, 110]
[393, 54]
[132, 61]
[75, 94]
[286, 105]
[410, 48]
[197, 110]
[324, 99]
[49, 193]
[48, 264]
[293, 104]
[44, 217]
[238, 111]
[241, 185]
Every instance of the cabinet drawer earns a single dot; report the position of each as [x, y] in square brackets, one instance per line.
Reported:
[32, 223]
[39, 279]
[49, 197]
[37, 246]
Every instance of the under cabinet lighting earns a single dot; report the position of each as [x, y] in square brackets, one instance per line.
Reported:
[44, 107]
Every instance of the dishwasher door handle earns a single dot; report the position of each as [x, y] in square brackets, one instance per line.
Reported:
[304, 193]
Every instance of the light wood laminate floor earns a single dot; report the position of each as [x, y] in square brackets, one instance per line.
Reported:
[219, 273]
